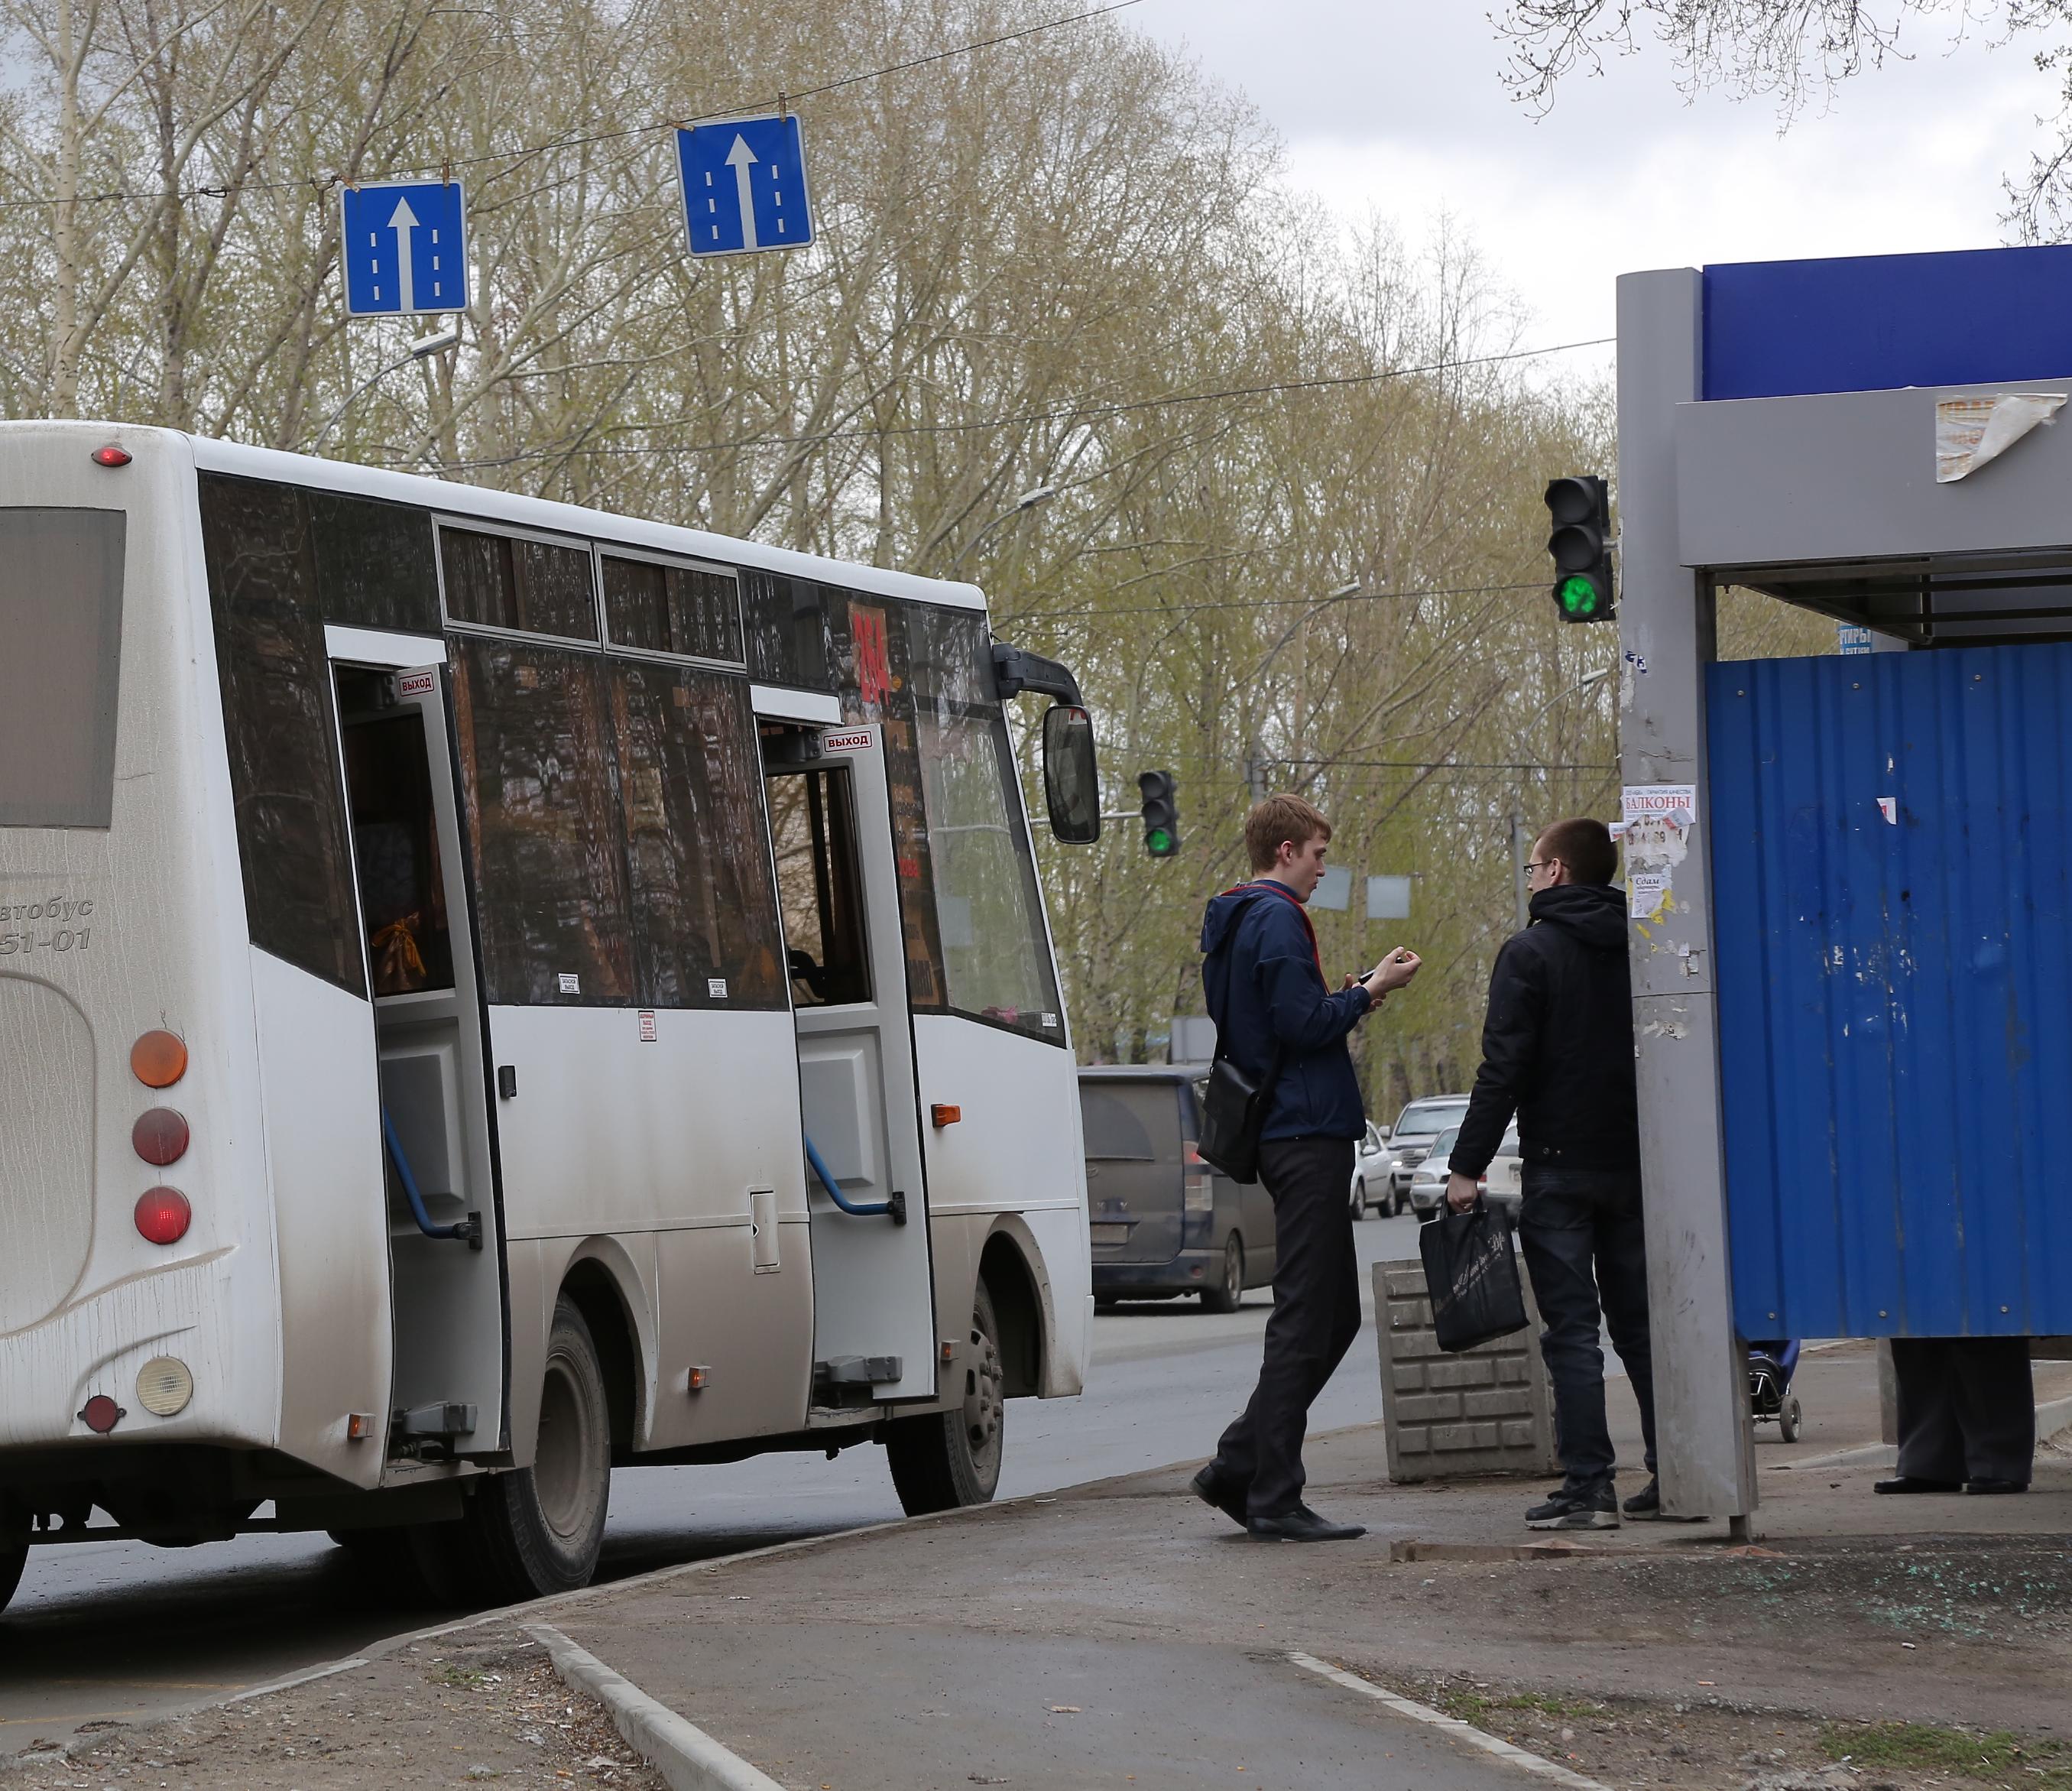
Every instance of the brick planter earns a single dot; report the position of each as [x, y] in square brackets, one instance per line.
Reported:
[1488, 1410]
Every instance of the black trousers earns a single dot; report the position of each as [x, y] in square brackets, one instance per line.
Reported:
[1316, 1315]
[1586, 1251]
[1966, 1408]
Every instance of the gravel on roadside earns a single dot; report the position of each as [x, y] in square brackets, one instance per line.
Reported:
[484, 1707]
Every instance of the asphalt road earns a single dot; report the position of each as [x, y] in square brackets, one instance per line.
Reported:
[103, 1632]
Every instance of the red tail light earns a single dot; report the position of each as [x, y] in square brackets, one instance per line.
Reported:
[111, 456]
[160, 1137]
[163, 1215]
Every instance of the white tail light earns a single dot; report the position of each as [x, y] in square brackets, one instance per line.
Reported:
[1196, 1195]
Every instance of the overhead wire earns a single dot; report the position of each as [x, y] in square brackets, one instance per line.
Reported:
[1075, 413]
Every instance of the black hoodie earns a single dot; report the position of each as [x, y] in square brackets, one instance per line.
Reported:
[1557, 1046]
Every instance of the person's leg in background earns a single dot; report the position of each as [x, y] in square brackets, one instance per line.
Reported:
[1996, 1405]
[1931, 1440]
[1557, 1228]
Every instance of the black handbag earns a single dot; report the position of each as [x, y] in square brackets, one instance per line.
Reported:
[1471, 1276]
[1233, 1111]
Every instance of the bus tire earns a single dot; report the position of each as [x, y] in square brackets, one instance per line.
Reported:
[941, 1460]
[12, 1562]
[539, 1529]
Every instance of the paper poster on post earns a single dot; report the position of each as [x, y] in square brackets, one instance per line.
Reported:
[1659, 820]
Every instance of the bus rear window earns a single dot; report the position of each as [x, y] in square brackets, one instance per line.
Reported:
[60, 643]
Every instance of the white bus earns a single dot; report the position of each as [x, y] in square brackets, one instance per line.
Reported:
[492, 991]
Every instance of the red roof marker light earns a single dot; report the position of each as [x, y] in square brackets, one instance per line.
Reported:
[160, 1136]
[111, 456]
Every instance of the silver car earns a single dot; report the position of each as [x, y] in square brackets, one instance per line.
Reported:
[1499, 1181]
[1374, 1165]
[1417, 1125]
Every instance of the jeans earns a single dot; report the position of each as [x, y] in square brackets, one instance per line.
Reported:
[1316, 1315]
[1584, 1242]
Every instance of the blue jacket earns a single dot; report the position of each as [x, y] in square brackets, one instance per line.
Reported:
[1263, 985]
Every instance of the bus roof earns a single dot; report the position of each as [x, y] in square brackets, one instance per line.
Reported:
[449, 497]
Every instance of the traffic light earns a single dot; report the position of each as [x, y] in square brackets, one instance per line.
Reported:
[1580, 511]
[1162, 813]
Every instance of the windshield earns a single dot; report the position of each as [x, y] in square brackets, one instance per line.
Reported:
[1422, 1117]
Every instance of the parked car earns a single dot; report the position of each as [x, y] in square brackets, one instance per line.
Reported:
[1162, 1222]
[1373, 1183]
[1415, 1127]
[1499, 1183]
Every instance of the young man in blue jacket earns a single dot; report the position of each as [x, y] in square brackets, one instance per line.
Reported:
[1265, 985]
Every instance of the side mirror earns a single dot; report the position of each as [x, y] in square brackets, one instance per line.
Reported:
[1071, 780]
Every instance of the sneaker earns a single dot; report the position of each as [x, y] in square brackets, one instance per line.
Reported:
[1645, 1506]
[1586, 1508]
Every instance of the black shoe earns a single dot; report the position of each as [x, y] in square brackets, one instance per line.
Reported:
[1914, 1483]
[1302, 1525]
[1996, 1486]
[1645, 1506]
[1212, 1488]
[1587, 1507]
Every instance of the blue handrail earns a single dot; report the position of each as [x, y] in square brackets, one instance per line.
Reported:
[870, 1209]
[469, 1229]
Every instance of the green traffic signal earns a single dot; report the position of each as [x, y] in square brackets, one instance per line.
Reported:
[1579, 509]
[1161, 812]
[1579, 598]
[1159, 842]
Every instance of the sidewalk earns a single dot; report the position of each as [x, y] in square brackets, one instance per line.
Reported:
[1124, 1637]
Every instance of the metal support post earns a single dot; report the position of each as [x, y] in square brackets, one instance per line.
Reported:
[1666, 638]
[1521, 896]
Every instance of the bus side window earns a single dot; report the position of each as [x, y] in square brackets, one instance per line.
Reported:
[820, 886]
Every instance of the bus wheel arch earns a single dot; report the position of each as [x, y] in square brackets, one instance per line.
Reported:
[601, 1282]
[1009, 1268]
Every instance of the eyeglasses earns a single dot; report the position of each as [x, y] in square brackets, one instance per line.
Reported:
[1532, 865]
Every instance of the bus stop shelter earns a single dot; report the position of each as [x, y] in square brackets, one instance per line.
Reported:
[1850, 875]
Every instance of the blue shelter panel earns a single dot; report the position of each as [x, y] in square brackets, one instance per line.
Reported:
[1891, 842]
[1872, 323]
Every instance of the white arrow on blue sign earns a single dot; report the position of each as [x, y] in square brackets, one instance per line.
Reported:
[744, 185]
[406, 248]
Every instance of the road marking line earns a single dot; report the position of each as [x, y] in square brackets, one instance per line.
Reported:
[687, 1758]
[1452, 1725]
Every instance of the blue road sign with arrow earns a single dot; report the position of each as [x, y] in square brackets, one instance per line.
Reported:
[404, 248]
[744, 185]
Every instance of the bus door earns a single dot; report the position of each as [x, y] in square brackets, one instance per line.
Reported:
[445, 1238]
[873, 1295]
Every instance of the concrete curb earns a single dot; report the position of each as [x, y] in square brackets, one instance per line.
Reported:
[682, 1752]
[1452, 1725]
[2052, 1416]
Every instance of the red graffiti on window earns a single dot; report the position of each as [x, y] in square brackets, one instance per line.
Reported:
[874, 662]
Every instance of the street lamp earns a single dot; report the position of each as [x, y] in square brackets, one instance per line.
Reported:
[422, 348]
[1576, 689]
[1028, 500]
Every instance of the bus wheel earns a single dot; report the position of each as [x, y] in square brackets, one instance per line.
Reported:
[539, 1529]
[943, 1459]
[12, 1562]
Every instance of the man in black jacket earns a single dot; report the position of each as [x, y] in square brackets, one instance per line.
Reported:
[1557, 1049]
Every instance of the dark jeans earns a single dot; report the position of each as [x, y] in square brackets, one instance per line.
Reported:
[1316, 1316]
[1583, 1242]
[1966, 1408]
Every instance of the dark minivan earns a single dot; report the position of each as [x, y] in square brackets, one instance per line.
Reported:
[1163, 1222]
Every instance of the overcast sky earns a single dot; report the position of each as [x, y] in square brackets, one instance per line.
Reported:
[1399, 105]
